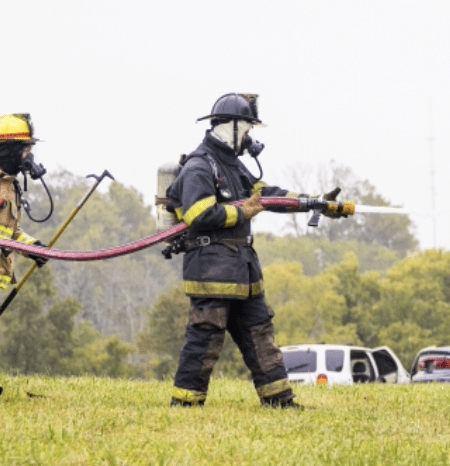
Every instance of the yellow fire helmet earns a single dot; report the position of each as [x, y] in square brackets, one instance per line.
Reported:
[16, 127]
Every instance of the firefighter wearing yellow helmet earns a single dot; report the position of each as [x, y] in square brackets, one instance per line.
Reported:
[16, 140]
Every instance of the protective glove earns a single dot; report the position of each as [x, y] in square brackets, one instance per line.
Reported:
[40, 261]
[331, 196]
[252, 207]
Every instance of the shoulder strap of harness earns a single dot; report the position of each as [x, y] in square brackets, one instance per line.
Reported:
[219, 181]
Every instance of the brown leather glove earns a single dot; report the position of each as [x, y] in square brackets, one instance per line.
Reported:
[252, 207]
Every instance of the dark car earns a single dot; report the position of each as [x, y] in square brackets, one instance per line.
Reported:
[431, 365]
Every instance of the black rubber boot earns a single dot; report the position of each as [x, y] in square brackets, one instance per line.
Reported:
[282, 400]
[186, 404]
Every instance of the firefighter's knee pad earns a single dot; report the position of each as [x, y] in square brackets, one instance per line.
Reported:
[212, 354]
[267, 353]
[214, 321]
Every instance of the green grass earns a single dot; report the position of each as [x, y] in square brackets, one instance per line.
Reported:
[94, 421]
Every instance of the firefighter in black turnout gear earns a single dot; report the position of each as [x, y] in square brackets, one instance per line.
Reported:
[221, 272]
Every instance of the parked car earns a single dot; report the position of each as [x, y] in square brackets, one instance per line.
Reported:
[342, 364]
[431, 364]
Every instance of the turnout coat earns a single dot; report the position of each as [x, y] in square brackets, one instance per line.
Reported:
[9, 226]
[220, 261]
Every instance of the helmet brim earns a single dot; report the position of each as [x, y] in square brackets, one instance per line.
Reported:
[25, 141]
[253, 121]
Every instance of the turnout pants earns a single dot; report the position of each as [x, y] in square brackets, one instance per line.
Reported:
[250, 325]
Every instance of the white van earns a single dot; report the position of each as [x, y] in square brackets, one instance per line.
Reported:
[342, 364]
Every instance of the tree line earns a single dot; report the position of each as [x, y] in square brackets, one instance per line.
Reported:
[126, 316]
[405, 308]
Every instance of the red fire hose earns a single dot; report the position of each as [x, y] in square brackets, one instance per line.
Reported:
[297, 204]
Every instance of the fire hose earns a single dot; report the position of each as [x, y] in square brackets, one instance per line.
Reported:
[55, 238]
[319, 206]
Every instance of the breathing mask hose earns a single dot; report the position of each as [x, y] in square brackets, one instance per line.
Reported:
[260, 168]
[37, 172]
[254, 148]
[26, 205]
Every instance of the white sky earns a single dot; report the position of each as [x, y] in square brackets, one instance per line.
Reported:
[118, 85]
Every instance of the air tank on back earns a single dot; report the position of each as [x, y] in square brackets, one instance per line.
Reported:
[167, 174]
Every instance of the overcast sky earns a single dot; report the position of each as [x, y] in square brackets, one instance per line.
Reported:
[118, 85]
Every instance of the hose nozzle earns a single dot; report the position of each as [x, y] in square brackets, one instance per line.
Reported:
[339, 208]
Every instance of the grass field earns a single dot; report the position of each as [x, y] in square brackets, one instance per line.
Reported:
[94, 421]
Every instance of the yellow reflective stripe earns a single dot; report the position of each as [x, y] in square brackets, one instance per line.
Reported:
[188, 395]
[231, 216]
[4, 282]
[5, 232]
[232, 290]
[223, 289]
[179, 213]
[24, 238]
[198, 209]
[274, 388]
[5, 278]
[257, 288]
[258, 187]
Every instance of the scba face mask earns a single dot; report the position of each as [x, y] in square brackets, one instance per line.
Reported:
[35, 170]
[225, 133]
[11, 157]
